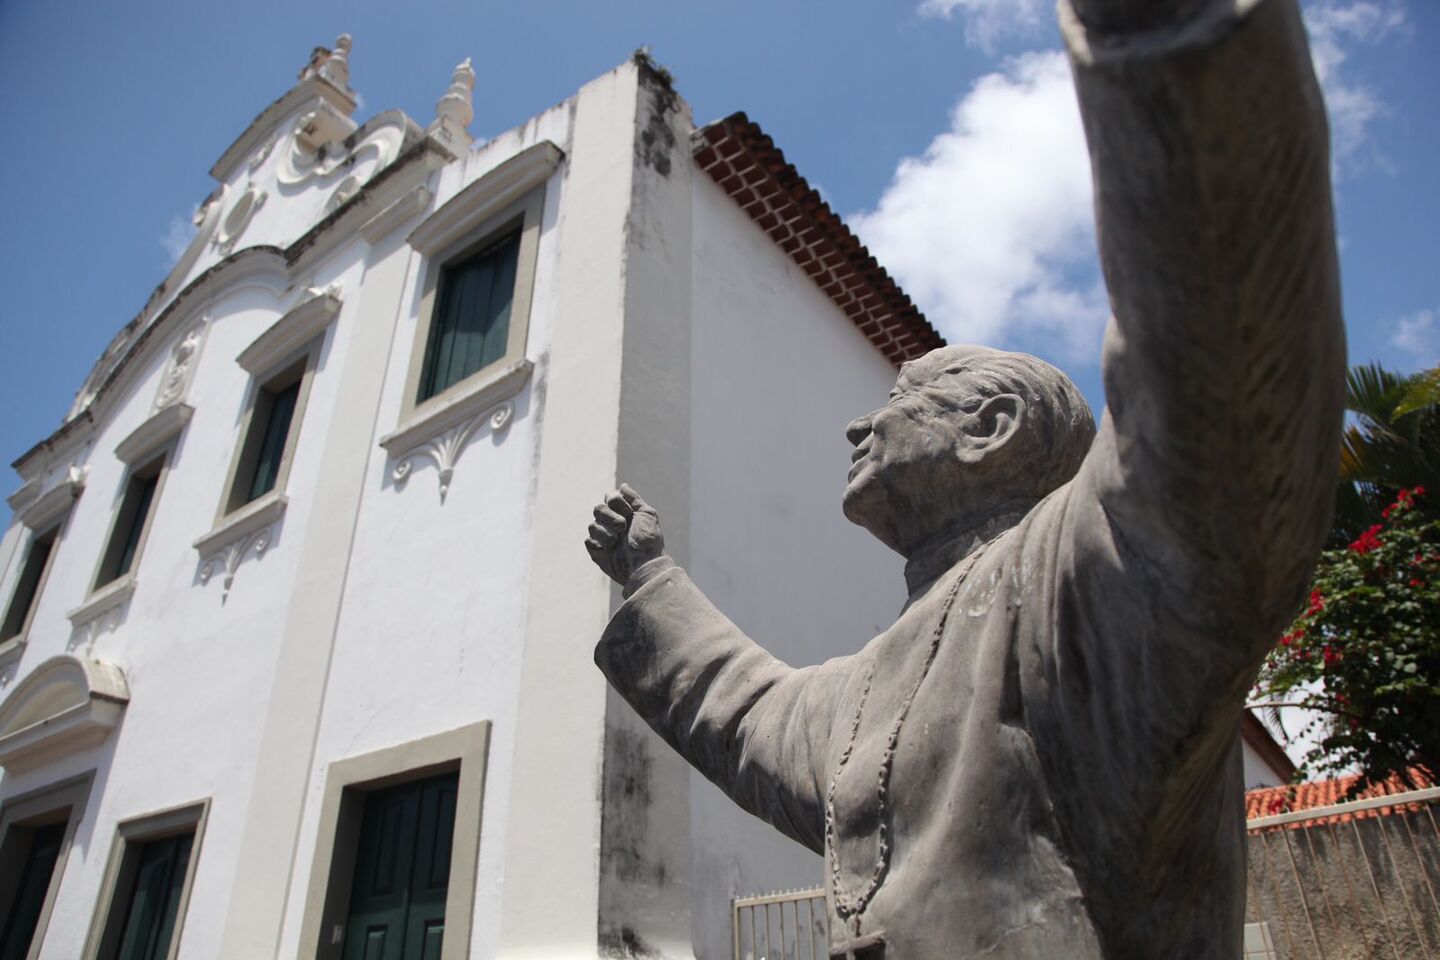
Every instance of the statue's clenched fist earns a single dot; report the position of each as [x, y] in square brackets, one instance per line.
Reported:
[625, 534]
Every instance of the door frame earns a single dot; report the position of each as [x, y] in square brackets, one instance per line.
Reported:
[327, 900]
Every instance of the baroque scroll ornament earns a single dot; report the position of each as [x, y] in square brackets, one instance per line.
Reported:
[230, 555]
[444, 451]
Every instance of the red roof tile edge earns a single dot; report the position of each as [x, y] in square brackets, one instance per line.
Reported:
[747, 165]
[1298, 797]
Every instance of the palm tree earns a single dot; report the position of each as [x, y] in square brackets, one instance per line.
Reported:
[1391, 443]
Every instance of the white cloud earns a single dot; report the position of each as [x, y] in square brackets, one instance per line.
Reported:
[1419, 335]
[991, 230]
[1336, 27]
[177, 236]
[986, 21]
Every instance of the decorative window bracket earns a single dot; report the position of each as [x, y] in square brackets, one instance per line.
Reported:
[441, 433]
[248, 530]
[102, 610]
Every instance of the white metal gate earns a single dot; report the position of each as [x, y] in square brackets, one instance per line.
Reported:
[781, 926]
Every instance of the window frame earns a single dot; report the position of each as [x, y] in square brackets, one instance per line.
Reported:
[492, 248]
[347, 781]
[13, 644]
[39, 808]
[156, 464]
[130, 836]
[523, 213]
[297, 366]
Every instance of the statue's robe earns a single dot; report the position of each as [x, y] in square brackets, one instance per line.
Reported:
[1066, 783]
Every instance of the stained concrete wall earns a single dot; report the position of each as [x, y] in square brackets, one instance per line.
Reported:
[777, 372]
[1350, 890]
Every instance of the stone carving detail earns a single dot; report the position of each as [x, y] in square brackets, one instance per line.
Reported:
[455, 110]
[333, 289]
[239, 217]
[303, 159]
[346, 189]
[181, 368]
[258, 157]
[83, 635]
[229, 556]
[456, 106]
[444, 451]
[102, 613]
[336, 67]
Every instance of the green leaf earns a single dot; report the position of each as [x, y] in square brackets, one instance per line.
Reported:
[1424, 391]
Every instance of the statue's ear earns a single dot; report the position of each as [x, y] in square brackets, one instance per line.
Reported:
[992, 425]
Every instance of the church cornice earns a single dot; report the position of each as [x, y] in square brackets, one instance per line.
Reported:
[419, 159]
[245, 264]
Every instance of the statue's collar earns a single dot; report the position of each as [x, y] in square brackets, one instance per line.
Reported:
[956, 541]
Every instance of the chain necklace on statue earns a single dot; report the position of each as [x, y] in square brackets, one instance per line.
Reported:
[850, 905]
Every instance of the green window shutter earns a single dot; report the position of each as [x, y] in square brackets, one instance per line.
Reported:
[154, 899]
[472, 316]
[402, 872]
[144, 494]
[17, 930]
[272, 443]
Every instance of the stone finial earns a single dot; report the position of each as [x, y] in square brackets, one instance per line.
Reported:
[336, 67]
[456, 106]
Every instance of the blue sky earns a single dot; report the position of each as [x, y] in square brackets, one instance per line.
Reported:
[944, 130]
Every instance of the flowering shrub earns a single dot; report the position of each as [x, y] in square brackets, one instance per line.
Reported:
[1365, 652]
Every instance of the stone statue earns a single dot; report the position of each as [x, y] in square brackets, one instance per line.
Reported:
[1040, 758]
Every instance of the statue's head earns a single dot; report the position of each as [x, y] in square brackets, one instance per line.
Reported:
[968, 432]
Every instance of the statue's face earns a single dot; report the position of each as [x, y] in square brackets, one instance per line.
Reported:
[949, 447]
[908, 458]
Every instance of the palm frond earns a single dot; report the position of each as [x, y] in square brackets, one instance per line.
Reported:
[1372, 391]
[1422, 393]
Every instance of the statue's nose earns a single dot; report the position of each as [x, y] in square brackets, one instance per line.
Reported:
[857, 430]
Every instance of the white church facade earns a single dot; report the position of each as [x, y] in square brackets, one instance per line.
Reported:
[296, 650]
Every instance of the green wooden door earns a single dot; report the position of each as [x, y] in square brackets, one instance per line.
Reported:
[154, 898]
[17, 926]
[402, 872]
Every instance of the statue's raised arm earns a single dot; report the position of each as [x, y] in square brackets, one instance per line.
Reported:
[1224, 362]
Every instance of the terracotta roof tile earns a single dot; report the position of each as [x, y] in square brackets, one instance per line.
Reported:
[747, 165]
[1272, 801]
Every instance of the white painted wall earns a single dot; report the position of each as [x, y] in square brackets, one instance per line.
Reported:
[778, 373]
[432, 621]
